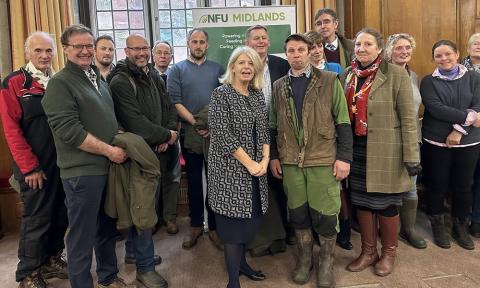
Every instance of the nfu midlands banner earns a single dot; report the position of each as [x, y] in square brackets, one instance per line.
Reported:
[226, 27]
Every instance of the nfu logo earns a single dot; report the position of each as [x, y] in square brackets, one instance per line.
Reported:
[214, 18]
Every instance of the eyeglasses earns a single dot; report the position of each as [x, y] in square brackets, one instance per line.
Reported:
[80, 47]
[163, 53]
[324, 22]
[138, 49]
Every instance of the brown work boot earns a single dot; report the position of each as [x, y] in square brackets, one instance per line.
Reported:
[117, 283]
[172, 227]
[388, 235]
[368, 231]
[55, 267]
[303, 267]
[212, 234]
[195, 233]
[33, 280]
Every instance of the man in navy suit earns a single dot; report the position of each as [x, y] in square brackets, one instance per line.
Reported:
[256, 37]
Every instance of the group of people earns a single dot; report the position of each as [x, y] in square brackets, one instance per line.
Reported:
[292, 146]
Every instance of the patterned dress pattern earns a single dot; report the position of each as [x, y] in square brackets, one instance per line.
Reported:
[232, 120]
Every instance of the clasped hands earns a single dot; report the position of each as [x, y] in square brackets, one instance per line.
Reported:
[164, 146]
[257, 169]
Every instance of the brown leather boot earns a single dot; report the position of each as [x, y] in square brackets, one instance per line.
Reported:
[303, 268]
[388, 235]
[368, 231]
[195, 233]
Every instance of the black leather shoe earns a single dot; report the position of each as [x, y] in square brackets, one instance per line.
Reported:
[256, 276]
[345, 245]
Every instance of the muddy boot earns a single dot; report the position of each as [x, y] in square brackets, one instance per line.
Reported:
[460, 234]
[368, 231]
[389, 237]
[408, 215]
[304, 266]
[440, 235]
[326, 256]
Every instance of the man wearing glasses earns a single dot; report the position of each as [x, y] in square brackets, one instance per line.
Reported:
[144, 108]
[80, 112]
[162, 56]
[169, 162]
[104, 52]
[338, 49]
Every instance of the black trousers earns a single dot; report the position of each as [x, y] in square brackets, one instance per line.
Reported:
[193, 166]
[276, 187]
[449, 170]
[44, 222]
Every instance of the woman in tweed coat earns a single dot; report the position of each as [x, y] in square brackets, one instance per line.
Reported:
[385, 148]
[238, 158]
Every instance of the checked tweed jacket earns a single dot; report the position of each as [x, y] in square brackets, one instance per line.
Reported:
[392, 130]
[231, 119]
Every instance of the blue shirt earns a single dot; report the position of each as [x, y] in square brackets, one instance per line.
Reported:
[191, 84]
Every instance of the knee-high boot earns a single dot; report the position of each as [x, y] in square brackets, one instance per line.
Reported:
[303, 268]
[368, 232]
[408, 215]
[325, 273]
[389, 237]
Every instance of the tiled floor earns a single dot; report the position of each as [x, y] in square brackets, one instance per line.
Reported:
[203, 266]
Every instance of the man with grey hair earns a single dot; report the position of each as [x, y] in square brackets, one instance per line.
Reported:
[44, 216]
[83, 123]
[162, 56]
[338, 49]
[257, 38]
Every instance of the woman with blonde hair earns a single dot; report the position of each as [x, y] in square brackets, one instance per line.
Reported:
[398, 50]
[238, 158]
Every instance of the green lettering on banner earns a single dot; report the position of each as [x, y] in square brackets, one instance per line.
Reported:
[222, 40]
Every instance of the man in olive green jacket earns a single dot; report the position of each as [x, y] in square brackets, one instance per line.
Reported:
[311, 148]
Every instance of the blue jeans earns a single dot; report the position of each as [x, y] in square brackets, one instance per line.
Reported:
[476, 195]
[90, 228]
[139, 245]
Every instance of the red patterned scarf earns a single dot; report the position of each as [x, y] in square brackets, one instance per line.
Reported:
[357, 101]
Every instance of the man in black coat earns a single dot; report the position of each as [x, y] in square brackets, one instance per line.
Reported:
[256, 37]
[143, 107]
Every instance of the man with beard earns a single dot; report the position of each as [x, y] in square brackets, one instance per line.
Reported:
[143, 107]
[190, 84]
[104, 52]
[310, 116]
[44, 215]
[338, 49]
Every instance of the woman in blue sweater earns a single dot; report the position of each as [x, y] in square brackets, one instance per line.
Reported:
[450, 150]
[317, 56]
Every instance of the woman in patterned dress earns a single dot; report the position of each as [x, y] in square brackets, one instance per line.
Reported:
[238, 158]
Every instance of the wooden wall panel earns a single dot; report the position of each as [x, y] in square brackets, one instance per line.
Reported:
[468, 23]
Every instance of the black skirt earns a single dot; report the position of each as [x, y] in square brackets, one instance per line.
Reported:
[241, 230]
